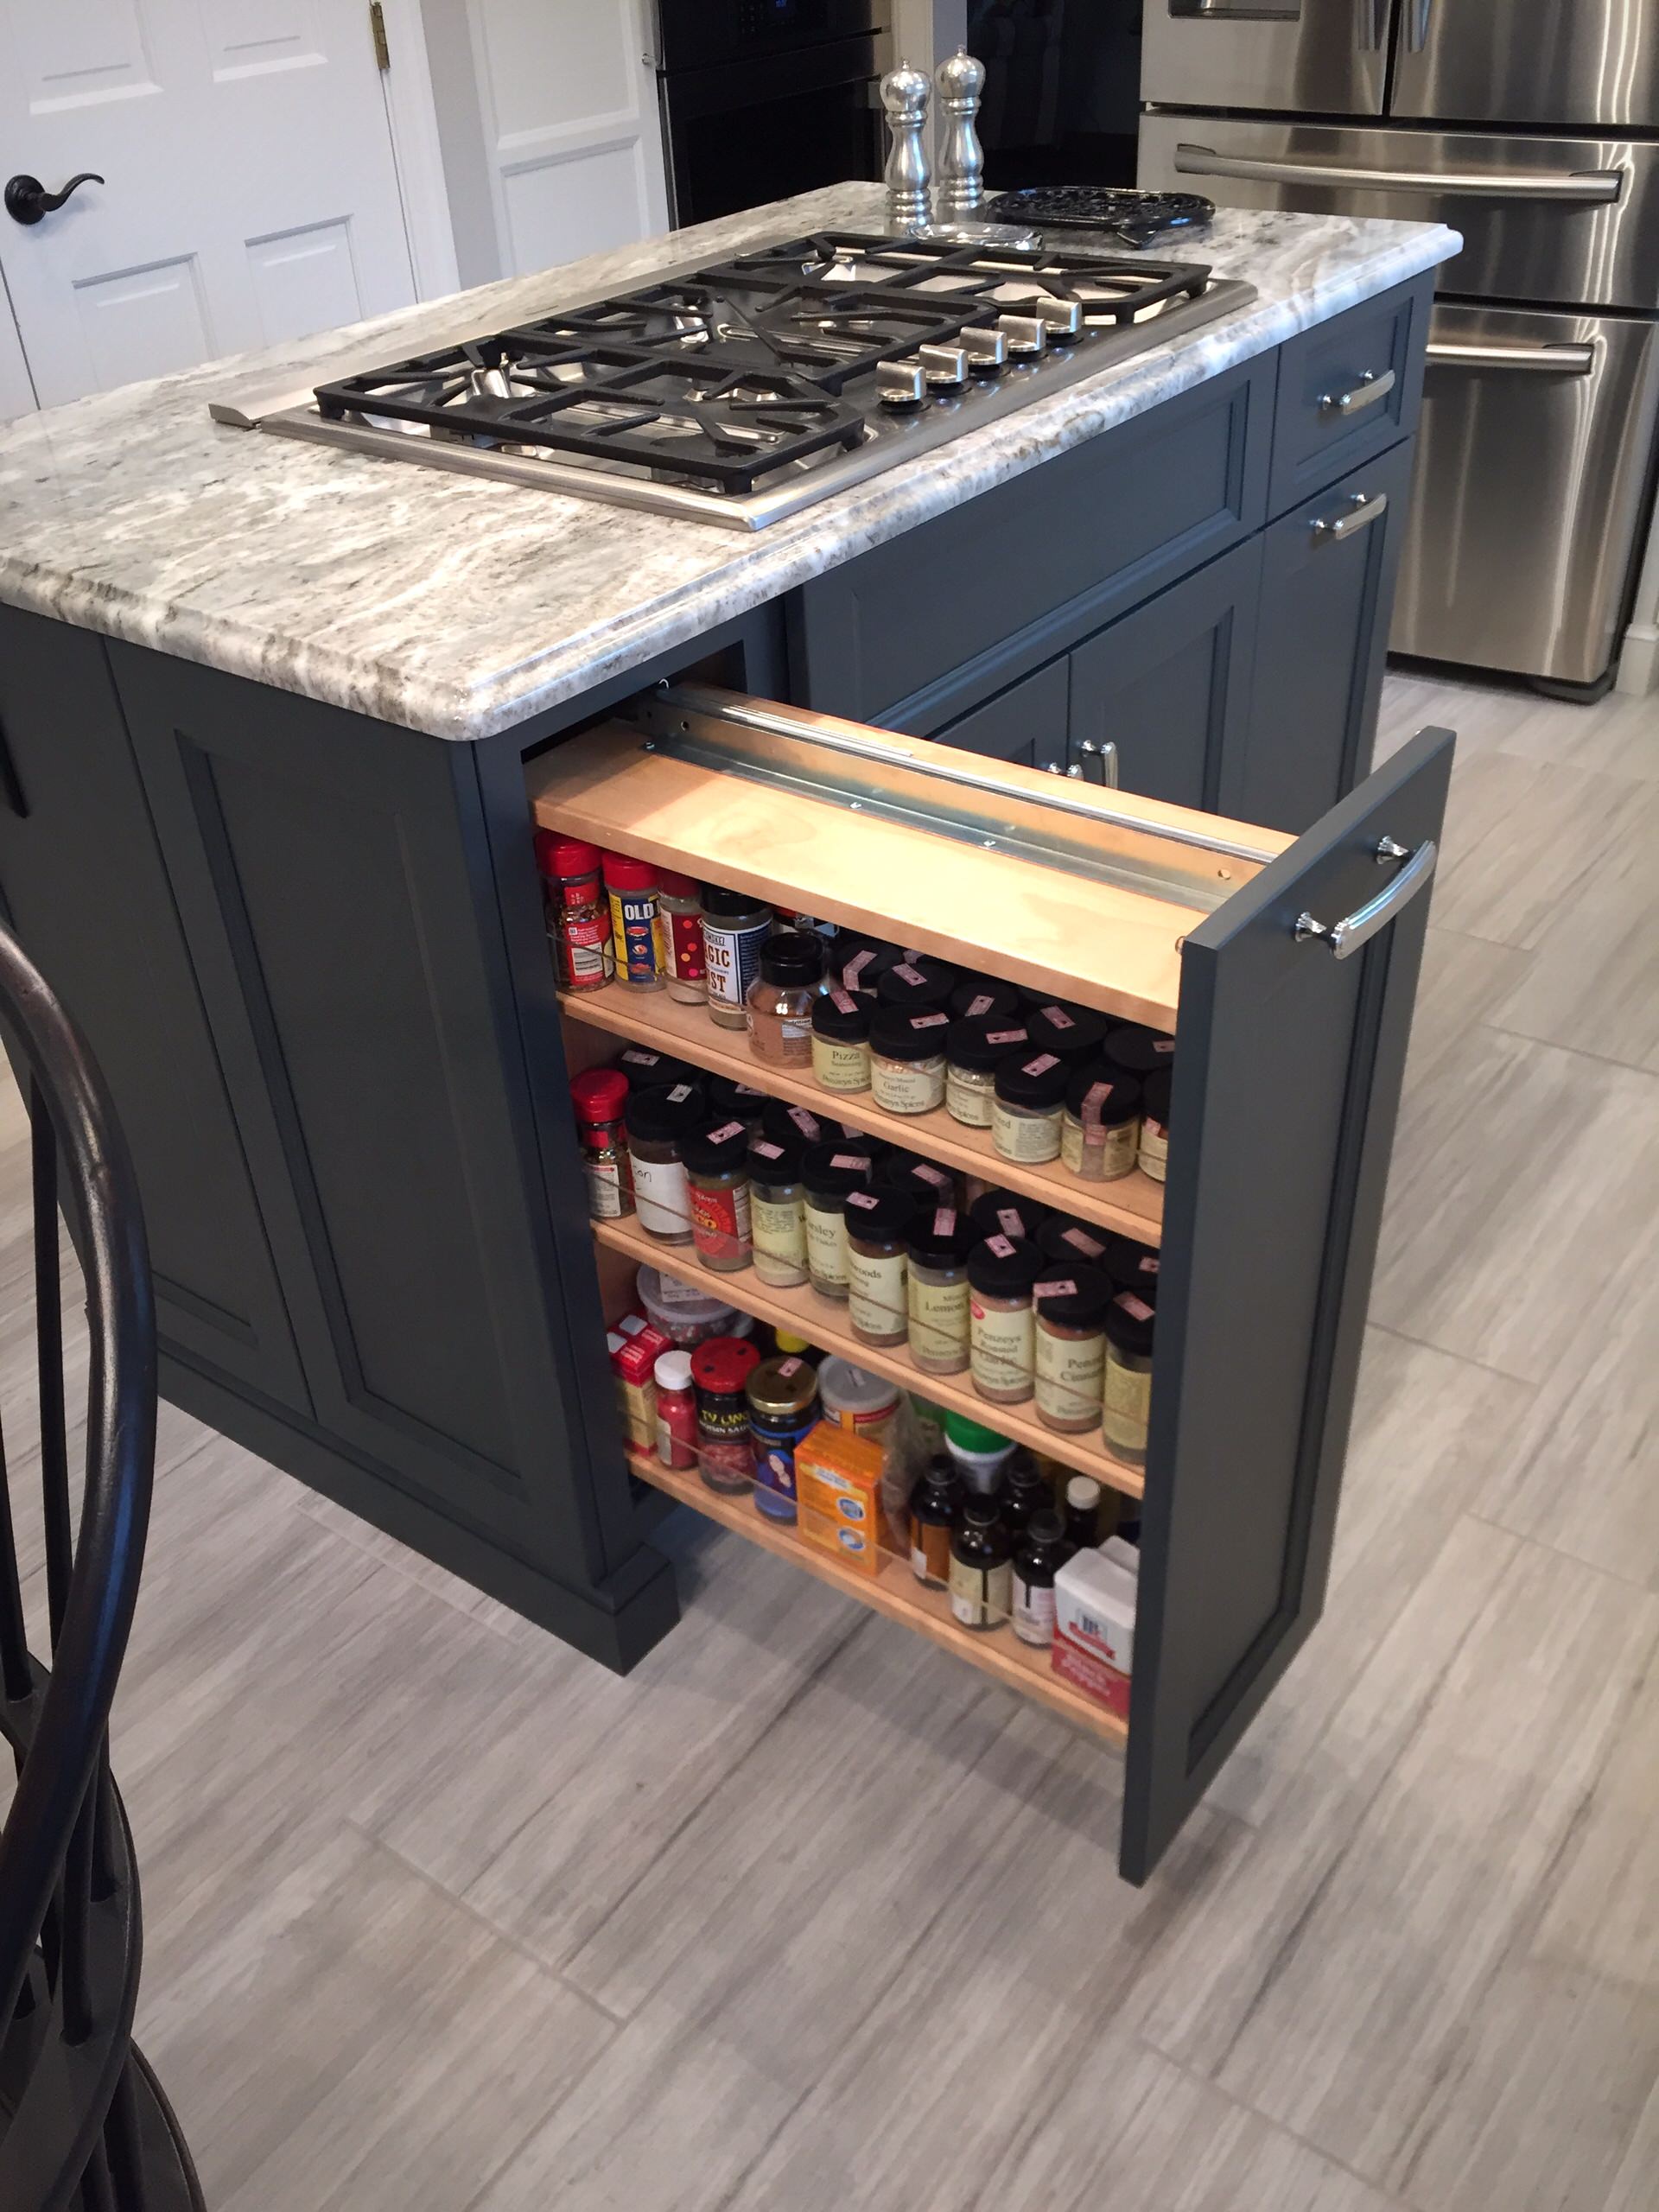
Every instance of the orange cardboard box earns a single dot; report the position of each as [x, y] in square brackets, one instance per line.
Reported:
[838, 1494]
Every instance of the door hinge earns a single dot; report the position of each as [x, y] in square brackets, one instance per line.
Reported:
[377, 27]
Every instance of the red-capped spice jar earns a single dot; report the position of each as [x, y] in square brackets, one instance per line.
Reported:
[600, 1097]
[578, 913]
[721, 1368]
[637, 932]
[676, 1410]
[679, 902]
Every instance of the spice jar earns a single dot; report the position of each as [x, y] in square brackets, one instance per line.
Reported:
[735, 925]
[938, 1249]
[976, 998]
[858, 964]
[721, 1370]
[976, 1047]
[676, 1410]
[783, 1397]
[1005, 1213]
[1099, 1131]
[922, 1182]
[787, 1124]
[1129, 1325]
[639, 935]
[778, 1210]
[679, 900]
[840, 1039]
[780, 1000]
[1070, 1033]
[1001, 1272]
[1132, 1265]
[730, 1101]
[982, 1579]
[645, 1067]
[717, 1173]
[600, 1096]
[876, 1265]
[578, 913]
[1083, 1498]
[1037, 1557]
[907, 1059]
[854, 1399]
[1074, 1242]
[1026, 1108]
[1140, 1051]
[658, 1122]
[918, 984]
[934, 1504]
[829, 1171]
[1070, 1348]
[1154, 1155]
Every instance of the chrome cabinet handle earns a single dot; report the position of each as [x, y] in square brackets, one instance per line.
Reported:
[1585, 187]
[1346, 936]
[1536, 360]
[1106, 754]
[1366, 393]
[1417, 22]
[1360, 513]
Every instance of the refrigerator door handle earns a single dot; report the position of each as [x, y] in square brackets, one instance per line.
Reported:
[1533, 360]
[1373, 25]
[1582, 188]
[1418, 15]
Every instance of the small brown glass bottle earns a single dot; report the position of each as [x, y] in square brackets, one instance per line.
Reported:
[1039, 1555]
[1024, 1492]
[982, 1572]
[934, 1505]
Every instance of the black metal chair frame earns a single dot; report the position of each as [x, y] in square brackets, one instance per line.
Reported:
[83, 2126]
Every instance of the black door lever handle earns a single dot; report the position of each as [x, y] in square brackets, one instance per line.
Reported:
[28, 199]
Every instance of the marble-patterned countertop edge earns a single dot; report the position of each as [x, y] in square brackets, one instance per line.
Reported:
[722, 574]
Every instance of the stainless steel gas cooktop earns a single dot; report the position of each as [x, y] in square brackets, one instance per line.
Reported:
[745, 392]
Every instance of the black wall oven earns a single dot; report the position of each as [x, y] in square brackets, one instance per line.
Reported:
[765, 98]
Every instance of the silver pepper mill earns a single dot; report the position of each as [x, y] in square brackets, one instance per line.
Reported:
[961, 158]
[905, 95]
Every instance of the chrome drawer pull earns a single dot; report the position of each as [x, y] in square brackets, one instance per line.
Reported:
[1535, 360]
[1583, 187]
[1359, 928]
[1366, 393]
[1362, 511]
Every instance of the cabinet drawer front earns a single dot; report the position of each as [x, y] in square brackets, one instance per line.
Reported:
[1124, 515]
[1347, 390]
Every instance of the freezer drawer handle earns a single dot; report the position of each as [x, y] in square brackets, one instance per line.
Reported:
[1366, 393]
[1359, 927]
[1581, 187]
[1361, 512]
[1535, 360]
[1421, 15]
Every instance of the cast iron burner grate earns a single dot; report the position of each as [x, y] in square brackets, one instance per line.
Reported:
[1136, 217]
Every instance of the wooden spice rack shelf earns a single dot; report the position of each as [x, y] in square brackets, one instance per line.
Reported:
[895, 1593]
[824, 1323]
[1133, 1205]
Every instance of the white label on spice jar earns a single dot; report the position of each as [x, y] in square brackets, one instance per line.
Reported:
[938, 1318]
[680, 1093]
[930, 1020]
[1029, 1137]
[863, 1200]
[604, 1190]
[1071, 1371]
[732, 957]
[1128, 1407]
[839, 1065]
[1098, 1154]
[968, 1095]
[935, 1176]
[671, 1292]
[1163, 1044]
[844, 999]
[661, 1196]
[1034, 1610]
[1041, 1064]
[778, 1227]
[875, 1293]
[767, 1149]
[1002, 1346]
[1154, 1149]
[907, 1086]
[1056, 1286]
[1081, 1241]
[826, 1244]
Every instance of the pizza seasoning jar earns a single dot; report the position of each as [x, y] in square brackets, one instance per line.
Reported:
[840, 1039]
[735, 925]
[1154, 1154]
[638, 933]
[778, 1210]
[600, 1096]
[1070, 1348]
[1002, 1326]
[578, 912]
[680, 903]
[1026, 1110]
[976, 1047]
[877, 1265]
[721, 1368]
[907, 1059]
[778, 1002]
[1129, 1325]
[829, 1171]
[782, 1396]
[1099, 1131]
[658, 1122]
[717, 1176]
[938, 1290]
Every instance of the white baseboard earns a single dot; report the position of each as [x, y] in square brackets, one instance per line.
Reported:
[1638, 663]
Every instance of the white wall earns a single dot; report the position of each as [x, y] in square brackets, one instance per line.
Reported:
[1638, 663]
[16, 393]
[926, 31]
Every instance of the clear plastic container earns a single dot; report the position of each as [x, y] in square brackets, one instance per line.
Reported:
[779, 1002]
[687, 1316]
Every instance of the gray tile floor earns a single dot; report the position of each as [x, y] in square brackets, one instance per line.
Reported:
[804, 1914]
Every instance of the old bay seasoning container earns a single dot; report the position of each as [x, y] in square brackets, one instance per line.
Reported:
[578, 912]
[638, 933]
[783, 1397]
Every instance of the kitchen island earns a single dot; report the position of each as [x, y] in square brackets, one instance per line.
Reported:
[268, 710]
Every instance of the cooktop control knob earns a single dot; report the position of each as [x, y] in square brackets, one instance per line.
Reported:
[944, 367]
[986, 349]
[1061, 318]
[900, 384]
[1026, 335]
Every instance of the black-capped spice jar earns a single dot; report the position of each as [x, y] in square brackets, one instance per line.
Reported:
[1131, 1323]
[787, 1124]
[646, 1067]
[1070, 1341]
[1133, 1266]
[1154, 1155]
[977, 997]
[658, 1122]
[721, 1368]
[1140, 1051]
[782, 1396]
[858, 964]
[907, 1059]
[1100, 1130]
[1072, 1033]
[1026, 1110]
[778, 1210]
[840, 1039]
[877, 1265]
[780, 1000]
[735, 925]
[1002, 1326]
[731, 1101]
[975, 1046]
[1005, 1213]
[717, 1175]
[922, 1181]
[1073, 1242]
[829, 1171]
[937, 1292]
[918, 984]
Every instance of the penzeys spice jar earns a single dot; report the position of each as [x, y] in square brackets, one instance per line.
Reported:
[907, 1059]
[778, 1210]
[940, 1241]
[1001, 1272]
[840, 1039]
[976, 1047]
[1131, 1322]
[1026, 1110]
[829, 1171]
[877, 1265]
[1100, 1130]
[1154, 1127]
[1070, 1347]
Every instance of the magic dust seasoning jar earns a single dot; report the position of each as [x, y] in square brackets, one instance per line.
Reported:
[679, 901]
[1002, 1326]
[840, 1039]
[1131, 1322]
[1026, 1110]
[778, 1210]
[878, 1265]
[1100, 1130]
[638, 933]
[735, 925]
[1154, 1127]
[975, 1046]
[1070, 1347]
[717, 1179]
[829, 1171]
[937, 1291]
[907, 1059]
[658, 1121]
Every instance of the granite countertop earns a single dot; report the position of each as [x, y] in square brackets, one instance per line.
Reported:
[460, 606]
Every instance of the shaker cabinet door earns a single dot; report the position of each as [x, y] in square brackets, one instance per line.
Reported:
[1287, 1082]
[1024, 724]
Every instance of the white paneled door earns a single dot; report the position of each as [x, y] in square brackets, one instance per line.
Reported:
[249, 193]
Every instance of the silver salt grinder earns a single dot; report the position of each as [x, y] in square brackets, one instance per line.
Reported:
[961, 158]
[905, 95]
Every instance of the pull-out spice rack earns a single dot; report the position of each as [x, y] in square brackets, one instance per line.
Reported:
[1287, 969]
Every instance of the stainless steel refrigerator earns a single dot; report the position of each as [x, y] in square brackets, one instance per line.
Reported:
[1531, 126]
